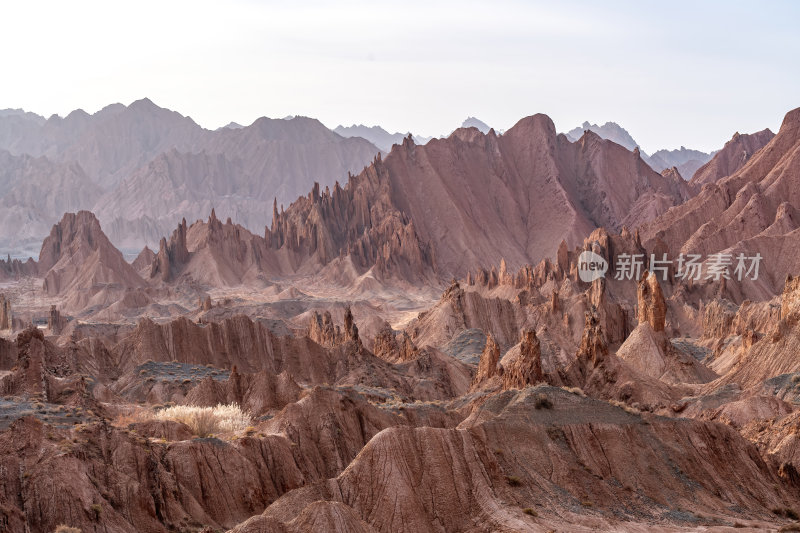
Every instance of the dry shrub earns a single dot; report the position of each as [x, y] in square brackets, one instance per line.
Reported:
[61, 528]
[542, 401]
[132, 415]
[628, 409]
[205, 421]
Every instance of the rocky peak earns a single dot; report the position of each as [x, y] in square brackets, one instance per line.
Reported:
[392, 346]
[526, 368]
[487, 366]
[350, 328]
[15, 269]
[172, 254]
[78, 260]
[5, 312]
[74, 231]
[55, 321]
[536, 127]
[731, 158]
[562, 258]
[652, 307]
[322, 330]
[790, 300]
[672, 173]
[593, 348]
[792, 119]
[144, 259]
[360, 220]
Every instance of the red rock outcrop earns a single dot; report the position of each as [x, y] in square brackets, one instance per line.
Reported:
[790, 299]
[144, 261]
[380, 218]
[89, 480]
[412, 479]
[773, 354]
[526, 368]
[8, 354]
[78, 261]
[252, 347]
[753, 211]
[593, 348]
[256, 393]
[55, 321]
[217, 254]
[171, 256]
[5, 312]
[731, 158]
[459, 309]
[44, 371]
[488, 365]
[359, 221]
[322, 330]
[651, 304]
[393, 345]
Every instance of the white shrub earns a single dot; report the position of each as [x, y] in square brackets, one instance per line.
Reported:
[205, 421]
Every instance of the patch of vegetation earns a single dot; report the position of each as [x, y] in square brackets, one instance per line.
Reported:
[530, 512]
[627, 408]
[555, 433]
[542, 401]
[207, 421]
[786, 512]
[514, 481]
[61, 528]
[97, 509]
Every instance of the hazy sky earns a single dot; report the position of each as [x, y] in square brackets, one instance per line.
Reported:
[672, 73]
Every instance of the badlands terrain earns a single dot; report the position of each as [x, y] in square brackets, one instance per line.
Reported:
[321, 333]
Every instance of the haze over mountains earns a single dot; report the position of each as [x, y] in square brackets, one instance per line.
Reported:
[378, 136]
[687, 161]
[414, 348]
[141, 168]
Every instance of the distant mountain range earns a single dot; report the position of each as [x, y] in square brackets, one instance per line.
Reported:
[142, 167]
[472, 122]
[378, 136]
[685, 160]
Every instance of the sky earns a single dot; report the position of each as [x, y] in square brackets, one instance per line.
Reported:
[672, 73]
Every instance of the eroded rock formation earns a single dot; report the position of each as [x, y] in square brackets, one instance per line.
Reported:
[650, 301]
[393, 345]
[5, 312]
[322, 330]
[526, 368]
[488, 367]
[55, 321]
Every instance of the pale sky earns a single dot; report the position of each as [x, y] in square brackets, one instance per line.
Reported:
[671, 73]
